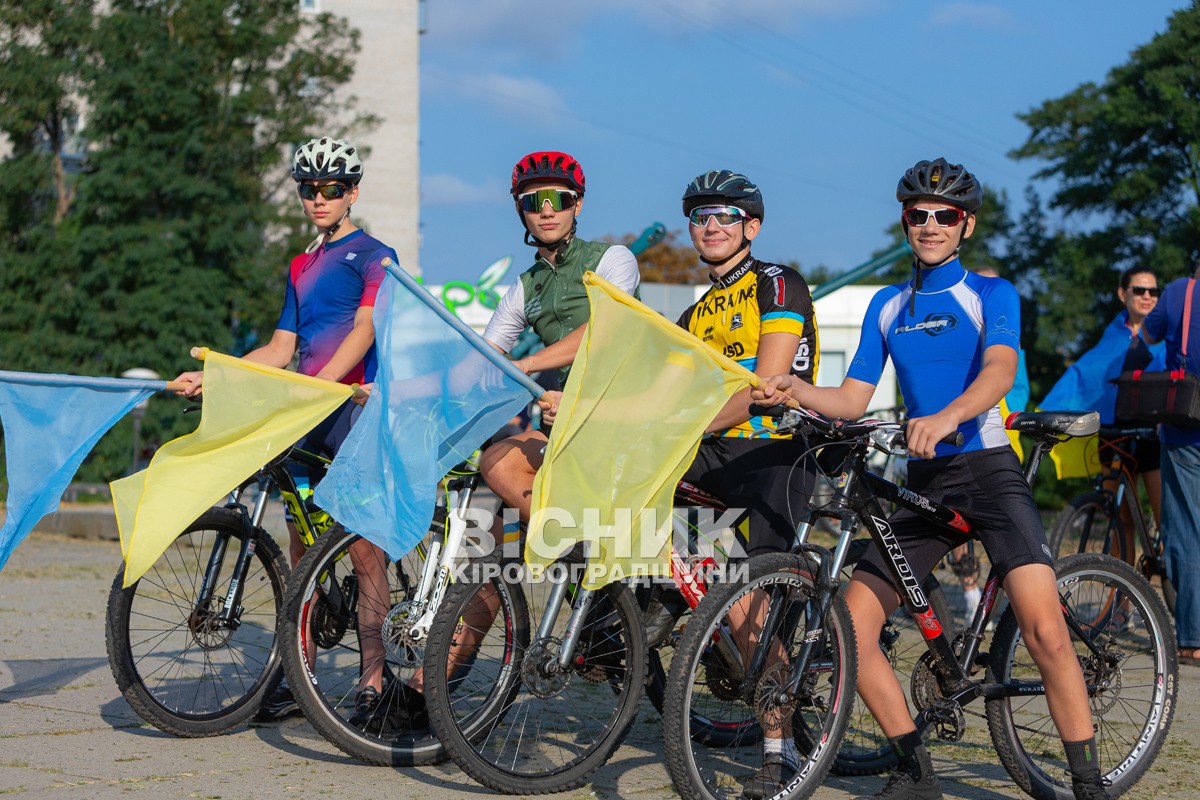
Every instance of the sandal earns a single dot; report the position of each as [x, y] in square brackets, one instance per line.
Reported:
[1192, 659]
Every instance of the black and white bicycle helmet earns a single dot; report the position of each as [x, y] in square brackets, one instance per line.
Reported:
[327, 159]
[725, 188]
[942, 181]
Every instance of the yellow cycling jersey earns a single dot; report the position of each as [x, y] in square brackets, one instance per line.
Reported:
[751, 300]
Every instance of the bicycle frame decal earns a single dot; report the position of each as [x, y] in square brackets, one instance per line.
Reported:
[912, 586]
[928, 622]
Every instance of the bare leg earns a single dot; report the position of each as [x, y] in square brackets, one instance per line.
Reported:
[510, 466]
[374, 601]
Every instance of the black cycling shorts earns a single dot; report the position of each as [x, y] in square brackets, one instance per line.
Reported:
[757, 475]
[988, 488]
[326, 439]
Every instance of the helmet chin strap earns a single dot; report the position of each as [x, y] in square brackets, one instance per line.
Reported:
[919, 264]
[558, 247]
[325, 234]
[745, 246]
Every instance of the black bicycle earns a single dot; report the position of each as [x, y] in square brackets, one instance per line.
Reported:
[192, 643]
[1093, 523]
[794, 670]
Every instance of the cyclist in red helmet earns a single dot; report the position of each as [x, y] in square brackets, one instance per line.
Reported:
[550, 297]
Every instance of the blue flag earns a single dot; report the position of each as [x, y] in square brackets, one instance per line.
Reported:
[440, 392]
[51, 423]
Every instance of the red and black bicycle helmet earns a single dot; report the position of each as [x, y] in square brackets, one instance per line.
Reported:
[548, 165]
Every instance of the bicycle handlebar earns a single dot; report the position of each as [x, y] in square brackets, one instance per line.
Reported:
[885, 435]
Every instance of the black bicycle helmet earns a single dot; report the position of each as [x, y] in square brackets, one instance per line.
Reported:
[942, 181]
[327, 159]
[725, 188]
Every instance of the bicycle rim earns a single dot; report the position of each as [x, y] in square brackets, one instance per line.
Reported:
[705, 686]
[336, 628]
[512, 723]
[189, 670]
[1132, 682]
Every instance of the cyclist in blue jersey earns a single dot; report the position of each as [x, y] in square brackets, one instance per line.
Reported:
[953, 337]
[326, 323]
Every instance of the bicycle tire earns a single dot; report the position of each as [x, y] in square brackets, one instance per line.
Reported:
[701, 684]
[1085, 525]
[865, 749]
[1136, 682]
[322, 653]
[179, 674]
[580, 716]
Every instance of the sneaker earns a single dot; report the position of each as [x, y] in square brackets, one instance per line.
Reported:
[903, 786]
[664, 609]
[1089, 789]
[393, 710]
[280, 705]
[770, 779]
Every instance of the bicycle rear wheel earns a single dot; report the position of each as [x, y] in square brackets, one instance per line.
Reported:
[1086, 526]
[1131, 680]
[708, 686]
[510, 717]
[323, 649]
[182, 667]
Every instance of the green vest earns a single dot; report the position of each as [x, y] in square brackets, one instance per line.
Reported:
[556, 300]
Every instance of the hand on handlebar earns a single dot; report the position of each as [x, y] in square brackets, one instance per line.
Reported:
[924, 433]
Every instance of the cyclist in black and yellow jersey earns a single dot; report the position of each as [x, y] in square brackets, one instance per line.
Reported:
[760, 315]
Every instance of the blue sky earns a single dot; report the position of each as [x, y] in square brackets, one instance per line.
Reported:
[824, 103]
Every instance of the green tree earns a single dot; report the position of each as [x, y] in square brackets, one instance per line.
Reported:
[1126, 156]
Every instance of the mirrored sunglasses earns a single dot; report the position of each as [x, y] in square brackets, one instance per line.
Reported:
[1153, 291]
[330, 191]
[944, 217]
[725, 216]
[559, 199]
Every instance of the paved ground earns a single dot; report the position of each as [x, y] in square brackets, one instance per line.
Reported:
[67, 732]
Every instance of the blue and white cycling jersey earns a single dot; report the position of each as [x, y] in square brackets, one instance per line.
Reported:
[937, 343]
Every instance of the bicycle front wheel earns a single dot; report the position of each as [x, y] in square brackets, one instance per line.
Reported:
[1086, 526]
[511, 715]
[342, 619]
[709, 685]
[1126, 647]
[187, 667]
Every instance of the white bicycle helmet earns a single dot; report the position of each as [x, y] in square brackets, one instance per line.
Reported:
[327, 159]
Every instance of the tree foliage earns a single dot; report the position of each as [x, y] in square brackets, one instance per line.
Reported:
[177, 228]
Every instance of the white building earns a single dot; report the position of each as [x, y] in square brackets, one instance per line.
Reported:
[387, 83]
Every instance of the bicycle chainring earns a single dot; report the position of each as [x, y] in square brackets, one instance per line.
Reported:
[926, 691]
[722, 685]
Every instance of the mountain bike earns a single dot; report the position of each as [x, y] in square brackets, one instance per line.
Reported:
[192, 643]
[1092, 522]
[800, 671]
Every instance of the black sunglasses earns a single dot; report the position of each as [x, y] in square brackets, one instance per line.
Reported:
[1138, 291]
[330, 191]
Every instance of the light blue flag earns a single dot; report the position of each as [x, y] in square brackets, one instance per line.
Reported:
[51, 423]
[440, 392]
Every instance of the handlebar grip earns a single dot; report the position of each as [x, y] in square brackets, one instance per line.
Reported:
[955, 438]
[766, 411]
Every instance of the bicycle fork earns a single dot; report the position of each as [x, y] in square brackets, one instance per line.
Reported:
[230, 613]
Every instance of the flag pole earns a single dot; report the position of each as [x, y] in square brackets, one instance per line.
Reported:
[474, 339]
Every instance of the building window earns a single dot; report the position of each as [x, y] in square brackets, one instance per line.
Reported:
[311, 6]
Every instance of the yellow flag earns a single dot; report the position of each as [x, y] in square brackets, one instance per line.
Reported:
[1077, 458]
[251, 414]
[639, 396]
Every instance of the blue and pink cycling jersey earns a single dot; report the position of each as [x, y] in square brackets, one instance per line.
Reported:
[325, 290]
[937, 342]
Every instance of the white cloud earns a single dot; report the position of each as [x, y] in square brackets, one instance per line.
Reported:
[976, 15]
[528, 99]
[446, 190]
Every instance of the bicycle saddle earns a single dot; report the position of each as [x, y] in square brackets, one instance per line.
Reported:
[1058, 424]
